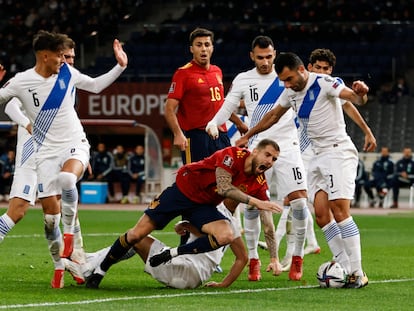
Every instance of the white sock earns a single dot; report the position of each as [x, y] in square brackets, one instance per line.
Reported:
[333, 237]
[352, 243]
[281, 225]
[310, 230]
[67, 182]
[252, 228]
[54, 238]
[299, 224]
[77, 239]
[6, 224]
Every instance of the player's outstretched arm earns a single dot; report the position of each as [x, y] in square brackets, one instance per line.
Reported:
[370, 140]
[239, 250]
[269, 119]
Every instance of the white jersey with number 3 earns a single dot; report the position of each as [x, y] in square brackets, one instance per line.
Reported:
[319, 110]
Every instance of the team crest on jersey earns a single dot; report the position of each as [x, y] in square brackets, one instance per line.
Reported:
[228, 161]
[311, 95]
[172, 88]
[62, 84]
[241, 153]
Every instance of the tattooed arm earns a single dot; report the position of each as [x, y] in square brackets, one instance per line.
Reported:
[226, 189]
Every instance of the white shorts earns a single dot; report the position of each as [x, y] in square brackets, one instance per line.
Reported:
[48, 167]
[288, 173]
[307, 156]
[180, 272]
[334, 171]
[24, 184]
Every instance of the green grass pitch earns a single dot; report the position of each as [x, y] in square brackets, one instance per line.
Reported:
[26, 270]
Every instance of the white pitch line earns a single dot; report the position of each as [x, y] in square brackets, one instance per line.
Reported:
[25, 236]
[193, 293]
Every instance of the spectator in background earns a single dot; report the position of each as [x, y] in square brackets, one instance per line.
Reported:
[7, 171]
[136, 167]
[404, 175]
[120, 172]
[399, 89]
[102, 164]
[382, 174]
[362, 181]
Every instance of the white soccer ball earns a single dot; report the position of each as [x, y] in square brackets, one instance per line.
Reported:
[331, 274]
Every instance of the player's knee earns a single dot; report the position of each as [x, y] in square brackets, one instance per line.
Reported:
[67, 180]
[224, 237]
[266, 218]
[17, 209]
[51, 225]
[322, 220]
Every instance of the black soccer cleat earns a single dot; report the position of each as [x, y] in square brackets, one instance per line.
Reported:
[94, 280]
[160, 258]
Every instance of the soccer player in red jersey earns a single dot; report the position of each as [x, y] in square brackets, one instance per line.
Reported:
[232, 173]
[195, 95]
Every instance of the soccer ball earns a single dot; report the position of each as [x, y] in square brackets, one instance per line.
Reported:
[331, 274]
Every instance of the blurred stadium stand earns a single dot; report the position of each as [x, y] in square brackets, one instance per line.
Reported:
[372, 41]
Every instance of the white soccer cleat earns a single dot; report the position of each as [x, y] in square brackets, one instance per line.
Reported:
[75, 270]
[78, 255]
[311, 249]
[262, 245]
[93, 260]
[286, 263]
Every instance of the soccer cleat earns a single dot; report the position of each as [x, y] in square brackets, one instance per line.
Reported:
[94, 280]
[356, 281]
[68, 245]
[295, 272]
[254, 270]
[160, 258]
[218, 269]
[262, 245]
[75, 270]
[310, 249]
[124, 200]
[286, 263]
[395, 205]
[78, 255]
[58, 280]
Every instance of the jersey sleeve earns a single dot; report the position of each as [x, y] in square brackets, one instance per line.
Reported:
[332, 85]
[231, 159]
[96, 85]
[283, 99]
[231, 103]
[8, 91]
[13, 110]
[176, 89]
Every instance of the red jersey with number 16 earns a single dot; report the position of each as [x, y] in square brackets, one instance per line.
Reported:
[197, 181]
[200, 92]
